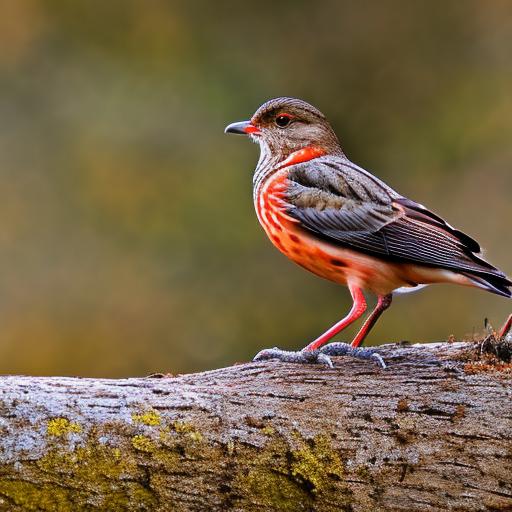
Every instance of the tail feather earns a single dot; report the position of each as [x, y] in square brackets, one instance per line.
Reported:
[494, 283]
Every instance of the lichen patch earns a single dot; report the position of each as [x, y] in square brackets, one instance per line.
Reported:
[59, 427]
[151, 418]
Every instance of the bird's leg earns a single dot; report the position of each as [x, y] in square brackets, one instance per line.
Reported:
[506, 327]
[311, 353]
[344, 349]
[358, 308]
[383, 303]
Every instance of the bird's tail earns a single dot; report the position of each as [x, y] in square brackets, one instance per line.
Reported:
[494, 282]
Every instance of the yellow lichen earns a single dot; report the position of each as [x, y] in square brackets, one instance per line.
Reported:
[183, 427]
[290, 475]
[164, 434]
[33, 497]
[61, 426]
[150, 418]
[188, 429]
[196, 436]
[317, 464]
[143, 444]
[106, 462]
[268, 430]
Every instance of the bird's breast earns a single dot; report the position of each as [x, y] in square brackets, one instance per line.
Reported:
[288, 236]
[271, 209]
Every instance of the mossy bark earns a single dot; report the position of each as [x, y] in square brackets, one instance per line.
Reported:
[432, 432]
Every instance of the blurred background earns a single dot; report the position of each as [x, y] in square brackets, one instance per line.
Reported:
[128, 240]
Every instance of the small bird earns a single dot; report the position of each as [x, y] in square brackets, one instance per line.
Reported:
[340, 222]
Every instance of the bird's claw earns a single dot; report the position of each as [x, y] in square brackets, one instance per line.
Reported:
[321, 356]
[344, 349]
[302, 356]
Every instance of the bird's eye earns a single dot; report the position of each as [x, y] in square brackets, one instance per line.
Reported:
[283, 120]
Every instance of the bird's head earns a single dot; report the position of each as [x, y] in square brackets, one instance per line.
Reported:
[283, 126]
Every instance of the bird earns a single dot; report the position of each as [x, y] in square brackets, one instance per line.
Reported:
[339, 221]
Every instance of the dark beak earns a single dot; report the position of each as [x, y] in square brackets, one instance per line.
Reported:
[241, 128]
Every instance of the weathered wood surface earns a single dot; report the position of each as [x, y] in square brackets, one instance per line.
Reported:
[432, 432]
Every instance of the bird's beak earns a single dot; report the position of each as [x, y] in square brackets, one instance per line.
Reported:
[241, 128]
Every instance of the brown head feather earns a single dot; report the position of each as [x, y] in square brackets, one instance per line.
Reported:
[307, 127]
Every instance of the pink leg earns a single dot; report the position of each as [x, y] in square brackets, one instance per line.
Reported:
[383, 303]
[358, 308]
[506, 326]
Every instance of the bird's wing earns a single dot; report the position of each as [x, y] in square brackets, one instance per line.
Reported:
[343, 204]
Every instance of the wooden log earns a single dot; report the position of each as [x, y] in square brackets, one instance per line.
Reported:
[432, 432]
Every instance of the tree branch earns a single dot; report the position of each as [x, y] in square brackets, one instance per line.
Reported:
[432, 432]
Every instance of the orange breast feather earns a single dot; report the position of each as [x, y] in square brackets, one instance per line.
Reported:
[287, 235]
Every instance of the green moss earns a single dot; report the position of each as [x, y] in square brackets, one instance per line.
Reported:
[317, 464]
[32, 497]
[102, 472]
[143, 444]
[88, 462]
[70, 480]
[291, 476]
[51, 497]
[167, 459]
[269, 482]
[61, 426]
[275, 491]
[150, 418]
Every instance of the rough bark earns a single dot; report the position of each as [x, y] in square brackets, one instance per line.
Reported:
[432, 432]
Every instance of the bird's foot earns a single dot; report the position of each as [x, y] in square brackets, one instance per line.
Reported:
[301, 356]
[344, 349]
[321, 356]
